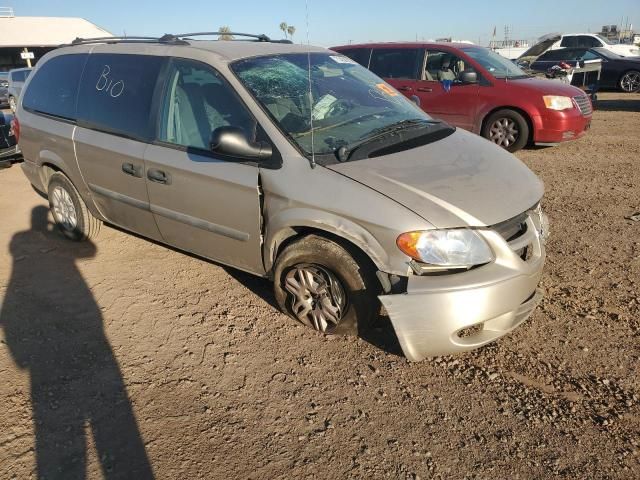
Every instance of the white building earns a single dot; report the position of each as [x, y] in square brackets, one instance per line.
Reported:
[38, 35]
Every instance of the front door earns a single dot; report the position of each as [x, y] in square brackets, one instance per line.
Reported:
[442, 94]
[204, 204]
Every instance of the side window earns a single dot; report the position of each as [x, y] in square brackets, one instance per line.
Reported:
[360, 55]
[55, 85]
[116, 93]
[402, 63]
[589, 55]
[569, 41]
[586, 41]
[442, 65]
[196, 101]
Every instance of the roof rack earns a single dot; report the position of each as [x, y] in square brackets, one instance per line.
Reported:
[170, 38]
[261, 37]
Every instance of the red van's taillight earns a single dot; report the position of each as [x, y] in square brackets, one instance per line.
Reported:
[15, 129]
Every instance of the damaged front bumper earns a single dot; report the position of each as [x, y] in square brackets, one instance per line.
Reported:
[447, 314]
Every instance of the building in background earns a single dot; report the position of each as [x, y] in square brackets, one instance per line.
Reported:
[23, 40]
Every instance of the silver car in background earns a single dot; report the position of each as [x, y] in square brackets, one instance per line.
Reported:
[17, 77]
[296, 164]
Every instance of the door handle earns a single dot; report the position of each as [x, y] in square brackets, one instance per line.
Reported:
[425, 89]
[131, 169]
[158, 176]
[405, 88]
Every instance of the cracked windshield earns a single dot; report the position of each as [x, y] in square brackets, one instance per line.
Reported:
[350, 104]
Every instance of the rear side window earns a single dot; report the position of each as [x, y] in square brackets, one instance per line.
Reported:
[116, 94]
[556, 55]
[360, 55]
[571, 41]
[587, 41]
[396, 62]
[54, 87]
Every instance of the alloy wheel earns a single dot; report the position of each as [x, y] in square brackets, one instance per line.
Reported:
[630, 82]
[64, 211]
[318, 299]
[12, 104]
[504, 132]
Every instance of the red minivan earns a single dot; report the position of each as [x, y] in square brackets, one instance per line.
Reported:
[474, 88]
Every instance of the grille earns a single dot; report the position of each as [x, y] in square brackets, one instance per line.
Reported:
[516, 233]
[584, 104]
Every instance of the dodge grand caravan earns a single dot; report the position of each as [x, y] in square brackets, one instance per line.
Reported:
[476, 89]
[293, 163]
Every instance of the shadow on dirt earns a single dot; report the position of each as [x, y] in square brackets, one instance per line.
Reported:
[53, 328]
[619, 105]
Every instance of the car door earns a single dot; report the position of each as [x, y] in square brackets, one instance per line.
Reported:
[441, 92]
[114, 129]
[201, 202]
[399, 66]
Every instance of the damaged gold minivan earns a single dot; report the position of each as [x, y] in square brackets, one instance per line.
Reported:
[296, 164]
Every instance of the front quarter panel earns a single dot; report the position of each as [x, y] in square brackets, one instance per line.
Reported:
[300, 196]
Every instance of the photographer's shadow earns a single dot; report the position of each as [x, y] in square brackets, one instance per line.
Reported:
[53, 328]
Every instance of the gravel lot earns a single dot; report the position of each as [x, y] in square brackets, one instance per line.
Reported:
[125, 357]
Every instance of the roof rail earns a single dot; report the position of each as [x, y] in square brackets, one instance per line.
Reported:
[260, 37]
[84, 41]
[170, 38]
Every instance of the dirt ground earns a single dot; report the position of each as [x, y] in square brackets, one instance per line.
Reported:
[128, 359]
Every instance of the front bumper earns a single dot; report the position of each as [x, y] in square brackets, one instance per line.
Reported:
[558, 127]
[488, 302]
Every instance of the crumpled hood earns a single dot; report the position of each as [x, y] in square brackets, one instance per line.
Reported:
[461, 180]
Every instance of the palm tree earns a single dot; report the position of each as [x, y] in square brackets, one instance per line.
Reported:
[224, 31]
[291, 30]
[284, 27]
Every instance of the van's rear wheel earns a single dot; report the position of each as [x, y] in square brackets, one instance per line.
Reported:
[69, 210]
[507, 129]
[12, 103]
[320, 284]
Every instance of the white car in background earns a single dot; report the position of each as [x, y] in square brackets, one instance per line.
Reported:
[591, 40]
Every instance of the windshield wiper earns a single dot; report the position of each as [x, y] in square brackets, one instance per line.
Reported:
[345, 151]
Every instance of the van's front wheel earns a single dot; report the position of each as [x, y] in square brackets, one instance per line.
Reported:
[320, 284]
[507, 129]
[69, 210]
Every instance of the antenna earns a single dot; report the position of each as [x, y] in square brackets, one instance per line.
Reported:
[313, 153]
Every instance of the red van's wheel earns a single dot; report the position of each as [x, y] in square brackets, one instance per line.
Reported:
[506, 128]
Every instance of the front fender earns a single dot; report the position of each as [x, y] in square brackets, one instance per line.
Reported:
[283, 226]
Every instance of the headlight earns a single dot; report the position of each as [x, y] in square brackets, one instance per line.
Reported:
[446, 248]
[555, 102]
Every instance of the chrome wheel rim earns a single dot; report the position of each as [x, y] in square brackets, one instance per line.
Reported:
[504, 132]
[64, 212]
[630, 82]
[317, 298]
[12, 104]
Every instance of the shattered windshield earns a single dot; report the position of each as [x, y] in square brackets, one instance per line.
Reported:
[497, 65]
[350, 104]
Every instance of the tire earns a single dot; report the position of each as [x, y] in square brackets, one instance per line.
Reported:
[12, 104]
[318, 258]
[507, 129]
[630, 81]
[69, 210]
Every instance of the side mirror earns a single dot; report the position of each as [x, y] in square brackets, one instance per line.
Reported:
[234, 142]
[469, 76]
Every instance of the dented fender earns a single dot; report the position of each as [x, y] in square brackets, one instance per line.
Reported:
[283, 226]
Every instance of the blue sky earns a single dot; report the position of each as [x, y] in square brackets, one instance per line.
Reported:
[333, 22]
